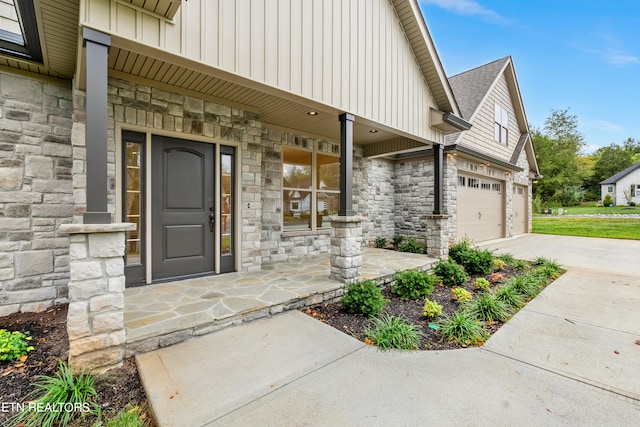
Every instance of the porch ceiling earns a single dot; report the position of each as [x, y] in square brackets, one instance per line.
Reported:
[281, 111]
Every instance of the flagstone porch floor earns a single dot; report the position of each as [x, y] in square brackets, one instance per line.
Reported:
[167, 313]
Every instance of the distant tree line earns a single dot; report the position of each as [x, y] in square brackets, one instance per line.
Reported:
[569, 175]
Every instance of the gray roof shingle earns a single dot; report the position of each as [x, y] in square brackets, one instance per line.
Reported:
[470, 87]
[615, 178]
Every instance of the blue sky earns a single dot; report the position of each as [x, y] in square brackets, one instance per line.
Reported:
[581, 55]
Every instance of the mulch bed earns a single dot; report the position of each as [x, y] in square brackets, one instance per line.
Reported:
[116, 388]
[355, 324]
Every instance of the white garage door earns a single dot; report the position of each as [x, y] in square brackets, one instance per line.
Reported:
[480, 208]
[519, 209]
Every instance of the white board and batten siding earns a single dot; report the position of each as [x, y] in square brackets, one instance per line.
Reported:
[481, 136]
[350, 55]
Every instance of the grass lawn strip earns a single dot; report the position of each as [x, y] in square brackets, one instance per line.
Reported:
[615, 228]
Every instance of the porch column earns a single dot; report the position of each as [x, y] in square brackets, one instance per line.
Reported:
[95, 321]
[97, 48]
[438, 151]
[346, 164]
[346, 244]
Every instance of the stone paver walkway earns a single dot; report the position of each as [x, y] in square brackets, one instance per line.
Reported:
[166, 313]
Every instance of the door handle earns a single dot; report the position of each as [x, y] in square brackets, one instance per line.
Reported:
[212, 219]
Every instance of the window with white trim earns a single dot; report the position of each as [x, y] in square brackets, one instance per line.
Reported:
[501, 125]
[610, 189]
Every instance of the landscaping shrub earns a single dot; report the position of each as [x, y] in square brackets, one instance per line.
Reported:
[488, 307]
[506, 258]
[482, 284]
[461, 295]
[412, 246]
[499, 264]
[413, 284]
[474, 260]
[608, 200]
[14, 345]
[394, 332]
[463, 328]
[509, 295]
[551, 269]
[381, 242]
[450, 273]
[397, 241]
[73, 391]
[520, 264]
[364, 297]
[431, 309]
[131, 417]
[496, 278]
[525, 285]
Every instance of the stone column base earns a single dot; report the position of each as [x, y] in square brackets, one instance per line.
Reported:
[438, 235]
[95, 321]
[346, 248]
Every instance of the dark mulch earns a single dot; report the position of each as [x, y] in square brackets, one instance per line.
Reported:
[356, 324]
[116, 388]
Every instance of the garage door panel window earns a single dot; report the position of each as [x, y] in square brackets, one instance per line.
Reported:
[473, 183]
[462, 181]
[496, 186]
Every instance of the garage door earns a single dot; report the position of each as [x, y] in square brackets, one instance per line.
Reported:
[480, 208]
[519, 209]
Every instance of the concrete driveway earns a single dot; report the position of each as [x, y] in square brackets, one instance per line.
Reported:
[568, 358]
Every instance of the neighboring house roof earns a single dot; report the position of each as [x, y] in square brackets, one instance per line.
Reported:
[471, 88]
[617, 177]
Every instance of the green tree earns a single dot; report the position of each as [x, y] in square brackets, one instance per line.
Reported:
[558, 147]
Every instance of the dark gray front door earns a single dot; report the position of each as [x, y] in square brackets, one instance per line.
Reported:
[183, 208]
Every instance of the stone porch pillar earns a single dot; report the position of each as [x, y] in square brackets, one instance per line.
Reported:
[346, 247]
[95, 321]
[437, 235]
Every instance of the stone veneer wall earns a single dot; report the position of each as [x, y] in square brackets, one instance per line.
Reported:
[278, 245]
[160, 110]
[413, 185]
[380, 202]
[35, 192]
[522, 178]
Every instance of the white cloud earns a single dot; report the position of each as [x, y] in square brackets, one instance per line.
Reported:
[468, 7]
[612, 51]
[604, 125]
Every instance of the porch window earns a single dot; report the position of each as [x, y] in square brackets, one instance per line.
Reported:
[501, 125]
[310, 189]
[19, 30]
[133, 182]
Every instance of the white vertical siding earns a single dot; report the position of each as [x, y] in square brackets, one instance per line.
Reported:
[352, 55]
[481, 136]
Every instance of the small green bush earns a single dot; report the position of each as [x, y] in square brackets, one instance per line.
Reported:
[463, 328]
[381, 242]
[548, 267]
[365, 298]
[14, 345]
[413, 284]
[431, 309]
[461, 295]
[412, 246]
[128, 417]
[482, 284]
[509, 295]
[390, 332]
[475, 261]
[66, 388]
[450, 273]
[525, 285]
[488, 307]
[507, 258]
[520, 264]
[397, 241]
[608, 200]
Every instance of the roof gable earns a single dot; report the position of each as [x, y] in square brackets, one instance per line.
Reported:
[472, 88]
[617, 177]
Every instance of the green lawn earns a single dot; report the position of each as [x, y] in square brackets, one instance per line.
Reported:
[617, 228]
[578, 210]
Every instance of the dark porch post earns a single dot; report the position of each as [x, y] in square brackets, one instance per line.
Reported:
[97, 48]
[346, 164]
[438, 178]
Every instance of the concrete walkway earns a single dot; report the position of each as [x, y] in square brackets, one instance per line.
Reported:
[568, 358]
